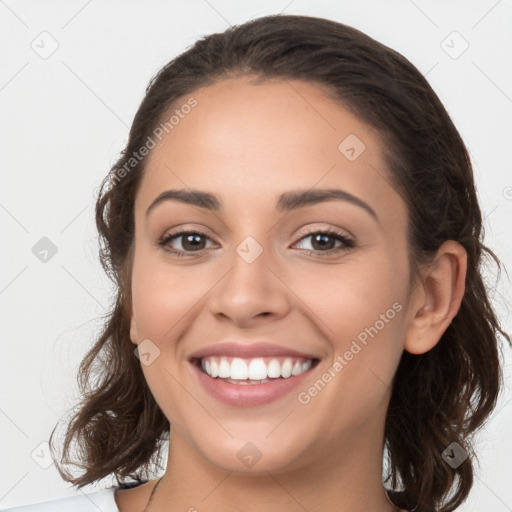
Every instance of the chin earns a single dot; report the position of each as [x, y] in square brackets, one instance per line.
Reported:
[254, 457]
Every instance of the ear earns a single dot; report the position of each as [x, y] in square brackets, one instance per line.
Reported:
[126, 273]
[436, 298]
[134, 332]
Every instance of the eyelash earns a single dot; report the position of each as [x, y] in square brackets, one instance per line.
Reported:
[348, 243]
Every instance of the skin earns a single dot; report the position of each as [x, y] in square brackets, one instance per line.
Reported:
[248, 144]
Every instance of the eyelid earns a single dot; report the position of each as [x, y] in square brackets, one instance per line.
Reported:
[203, 230]
[175, 232]
[329, 230]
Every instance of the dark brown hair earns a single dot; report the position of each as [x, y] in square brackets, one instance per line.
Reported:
[439, 397]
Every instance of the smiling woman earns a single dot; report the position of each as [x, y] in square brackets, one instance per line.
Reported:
[297, 259]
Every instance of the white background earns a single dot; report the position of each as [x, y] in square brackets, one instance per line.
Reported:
[64, 120]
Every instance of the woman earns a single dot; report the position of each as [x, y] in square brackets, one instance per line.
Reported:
[295, 236]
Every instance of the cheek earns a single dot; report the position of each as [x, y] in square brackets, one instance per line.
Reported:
[161, 299]
[161, 296]
[354, 295]
[361, 308]
[362, 317]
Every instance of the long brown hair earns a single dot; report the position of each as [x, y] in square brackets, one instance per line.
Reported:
[440, 397]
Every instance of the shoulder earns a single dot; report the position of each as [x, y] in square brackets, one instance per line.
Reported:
[87, 502]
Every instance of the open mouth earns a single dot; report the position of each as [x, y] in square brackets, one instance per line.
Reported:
[253, 371]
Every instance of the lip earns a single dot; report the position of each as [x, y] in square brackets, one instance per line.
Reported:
[249, 395]
[248, 350]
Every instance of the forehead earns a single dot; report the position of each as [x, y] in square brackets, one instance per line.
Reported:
[250, 142]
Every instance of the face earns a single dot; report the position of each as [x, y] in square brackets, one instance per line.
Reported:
[328, 279]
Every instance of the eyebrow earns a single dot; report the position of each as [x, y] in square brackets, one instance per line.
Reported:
[287, 201]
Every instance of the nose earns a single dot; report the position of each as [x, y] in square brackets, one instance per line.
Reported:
[250, 291]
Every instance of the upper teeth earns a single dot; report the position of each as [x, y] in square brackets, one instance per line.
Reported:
[254, 369]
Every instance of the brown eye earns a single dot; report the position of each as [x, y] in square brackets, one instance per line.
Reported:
[190, 242]
[324, 242]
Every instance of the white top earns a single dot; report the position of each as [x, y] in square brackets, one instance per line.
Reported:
[102, 501]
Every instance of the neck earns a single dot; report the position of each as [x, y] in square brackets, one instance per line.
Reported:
[343, 478]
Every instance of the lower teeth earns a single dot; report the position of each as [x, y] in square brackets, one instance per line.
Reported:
[249, 382]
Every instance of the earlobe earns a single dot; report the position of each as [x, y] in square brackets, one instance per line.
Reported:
[133, 330]
[439, 297]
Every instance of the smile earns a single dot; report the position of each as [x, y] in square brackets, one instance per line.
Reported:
[250, 382]
[254, 369]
